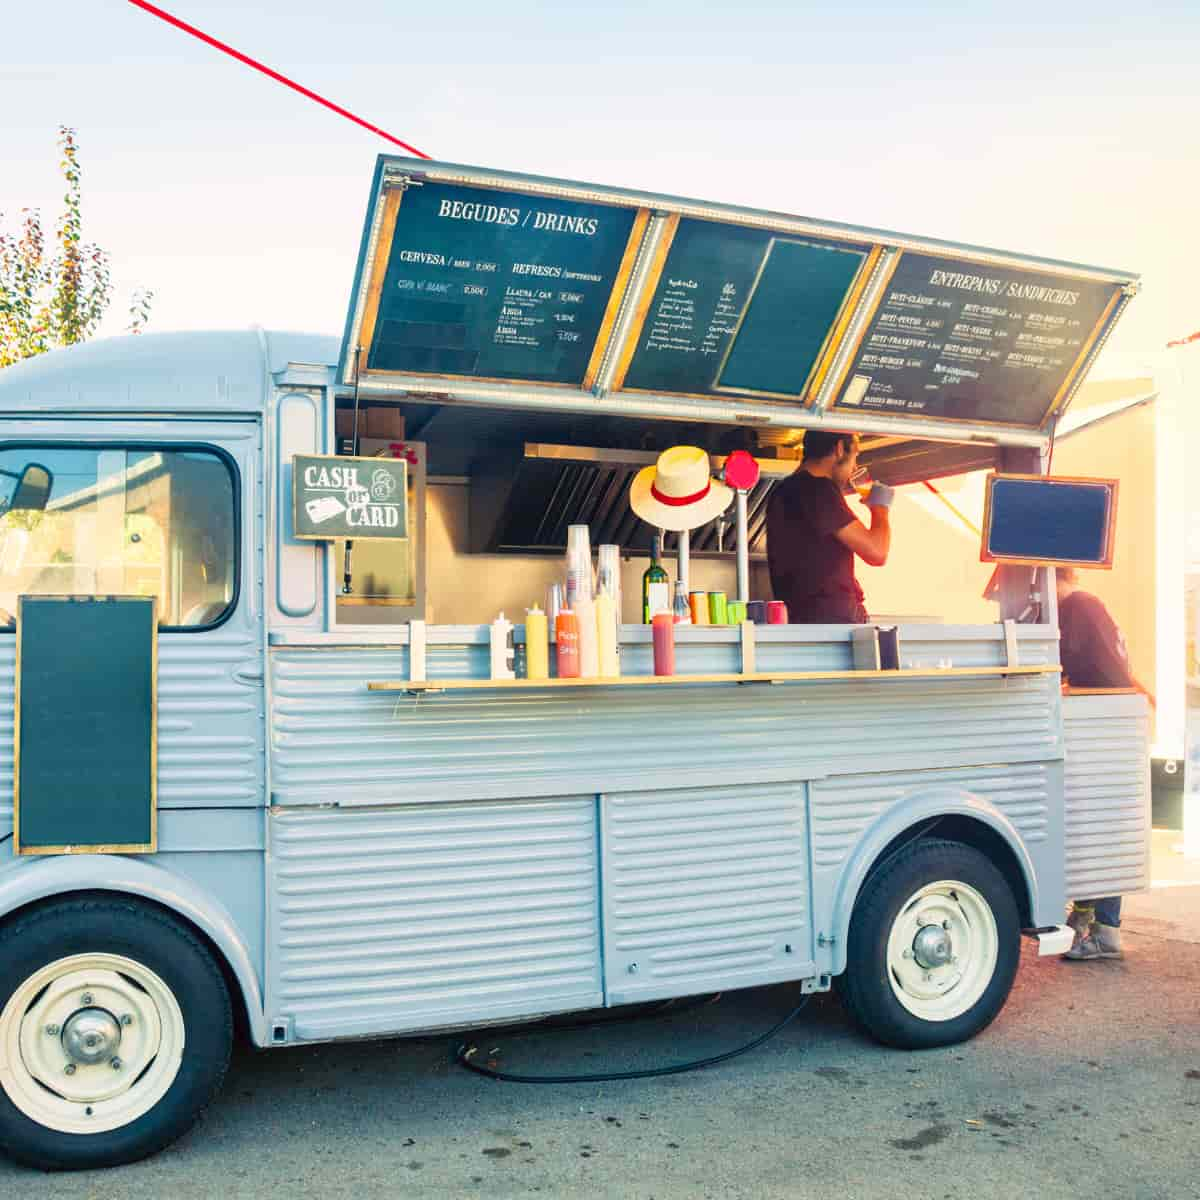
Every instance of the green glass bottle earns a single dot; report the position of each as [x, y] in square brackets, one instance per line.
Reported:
[656, 586]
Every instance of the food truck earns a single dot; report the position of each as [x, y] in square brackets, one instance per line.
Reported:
[266, 779]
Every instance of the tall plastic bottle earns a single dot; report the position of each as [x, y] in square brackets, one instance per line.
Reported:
[537, 651]
[566, 644]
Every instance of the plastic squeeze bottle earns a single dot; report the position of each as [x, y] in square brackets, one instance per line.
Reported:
[566, 642]
[537, 655]
[589, 649]
[606, 635]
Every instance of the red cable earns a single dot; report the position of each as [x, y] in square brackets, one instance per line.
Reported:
[250, 62]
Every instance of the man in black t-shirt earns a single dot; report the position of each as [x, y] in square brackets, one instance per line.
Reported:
[1093, 655]
[812, 536]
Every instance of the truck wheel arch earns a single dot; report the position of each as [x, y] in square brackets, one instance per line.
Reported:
[36, 881]
[948, 813]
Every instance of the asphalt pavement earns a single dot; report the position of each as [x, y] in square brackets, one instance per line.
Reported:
[1088, 1085]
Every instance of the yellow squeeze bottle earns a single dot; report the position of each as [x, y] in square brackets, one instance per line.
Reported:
[537, 658]
[606, 635]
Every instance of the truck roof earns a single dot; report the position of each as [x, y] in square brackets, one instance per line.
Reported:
[210, 371]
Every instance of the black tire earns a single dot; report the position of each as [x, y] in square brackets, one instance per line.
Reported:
[866, 987]
[152, 938]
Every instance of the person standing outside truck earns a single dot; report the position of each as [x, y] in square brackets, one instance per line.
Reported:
[1093, 655]
[813, 537]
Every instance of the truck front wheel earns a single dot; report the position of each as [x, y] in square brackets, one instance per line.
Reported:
[115, 1032]
[933, 948]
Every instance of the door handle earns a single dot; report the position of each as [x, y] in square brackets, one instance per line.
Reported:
[248, 676]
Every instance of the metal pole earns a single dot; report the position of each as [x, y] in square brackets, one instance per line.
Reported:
[743, 549]
[685, 559]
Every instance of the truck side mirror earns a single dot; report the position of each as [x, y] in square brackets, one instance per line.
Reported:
[33, 489]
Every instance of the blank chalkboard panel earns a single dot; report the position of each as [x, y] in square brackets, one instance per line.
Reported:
[799, 293]
[1031, 519]
[85, 725]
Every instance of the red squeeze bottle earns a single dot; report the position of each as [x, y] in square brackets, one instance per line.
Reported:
[663, 627]
[566, 644]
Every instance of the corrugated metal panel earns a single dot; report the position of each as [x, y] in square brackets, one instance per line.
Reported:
[334, 741]
[704, 889]
[1107, 795]
[400, 919]
[843, 808]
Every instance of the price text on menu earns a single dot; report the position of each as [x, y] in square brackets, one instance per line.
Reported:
[973, 342]
[497, 285]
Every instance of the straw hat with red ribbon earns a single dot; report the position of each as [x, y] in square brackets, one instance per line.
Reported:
[678, 492]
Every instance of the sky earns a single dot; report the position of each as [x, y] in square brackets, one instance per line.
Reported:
[1066, 130]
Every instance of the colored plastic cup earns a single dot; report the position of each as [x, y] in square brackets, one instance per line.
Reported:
[777, 613]
[737, 612]
[698, 603]
[718, 608]
[756, 611]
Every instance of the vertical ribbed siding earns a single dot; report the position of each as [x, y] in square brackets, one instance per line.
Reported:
[1107, 795]
[400, 919]
[703, 889]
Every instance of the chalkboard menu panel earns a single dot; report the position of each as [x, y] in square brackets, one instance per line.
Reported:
[86, 731]
[741, 310]
[966, 341]
[1030, 519]
[496, 285]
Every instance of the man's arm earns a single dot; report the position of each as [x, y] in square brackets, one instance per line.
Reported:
[871, 544]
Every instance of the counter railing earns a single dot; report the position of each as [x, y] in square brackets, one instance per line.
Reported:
[457, 656]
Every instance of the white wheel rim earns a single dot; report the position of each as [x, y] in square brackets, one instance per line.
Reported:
[949, 919]
[95, 1004]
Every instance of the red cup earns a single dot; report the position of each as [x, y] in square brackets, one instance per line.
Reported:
[664, 643]
[776, 612]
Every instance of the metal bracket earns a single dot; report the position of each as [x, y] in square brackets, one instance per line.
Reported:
[824, 941]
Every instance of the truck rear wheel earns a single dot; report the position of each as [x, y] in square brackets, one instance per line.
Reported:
[115, 1032]
[933, 948]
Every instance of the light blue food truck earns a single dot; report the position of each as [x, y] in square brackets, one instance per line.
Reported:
[259, 778]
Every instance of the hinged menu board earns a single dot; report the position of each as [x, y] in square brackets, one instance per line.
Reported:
[741, 310]
[488, 286]
[472, 282]
[959, 340]
[1040, 520]
[349, 496]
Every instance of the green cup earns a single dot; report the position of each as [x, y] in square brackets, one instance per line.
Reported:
[736, 611]
[718, 610]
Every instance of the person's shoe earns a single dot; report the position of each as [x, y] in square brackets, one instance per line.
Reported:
[1104, 941]
[1108, 938]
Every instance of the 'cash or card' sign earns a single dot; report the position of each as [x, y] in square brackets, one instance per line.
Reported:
[344, 497]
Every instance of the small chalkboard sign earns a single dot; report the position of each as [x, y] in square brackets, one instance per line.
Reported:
[349, 496]
[1041, 520]
[85, 752]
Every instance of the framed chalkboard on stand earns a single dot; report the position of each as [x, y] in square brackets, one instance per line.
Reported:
[1039, 520]
[85, 738]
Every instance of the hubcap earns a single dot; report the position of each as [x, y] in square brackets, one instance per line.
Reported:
[92, 1035]
[932, 948]
[90, 1043]
[942, 950]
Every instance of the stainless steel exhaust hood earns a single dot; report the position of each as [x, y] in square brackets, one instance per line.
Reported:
[523, 502]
